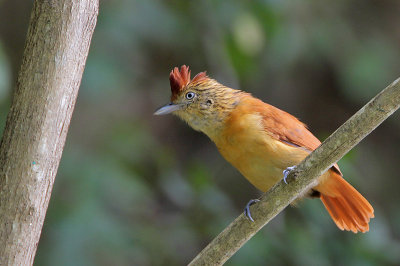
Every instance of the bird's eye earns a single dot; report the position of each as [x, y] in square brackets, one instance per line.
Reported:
[190, 95]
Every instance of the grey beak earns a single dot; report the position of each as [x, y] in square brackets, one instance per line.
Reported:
[169, 108]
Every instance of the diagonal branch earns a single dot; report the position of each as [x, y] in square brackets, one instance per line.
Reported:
[281, 195]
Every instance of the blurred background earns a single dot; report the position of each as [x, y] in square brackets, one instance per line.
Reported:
[135, 189]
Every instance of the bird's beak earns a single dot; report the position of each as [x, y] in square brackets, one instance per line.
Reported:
[167, 109]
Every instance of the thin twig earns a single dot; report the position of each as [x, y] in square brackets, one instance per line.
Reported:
[281, 195]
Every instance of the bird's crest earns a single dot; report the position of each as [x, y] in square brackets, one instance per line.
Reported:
[180, 79]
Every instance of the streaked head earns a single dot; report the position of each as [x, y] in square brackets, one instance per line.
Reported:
[202, 102]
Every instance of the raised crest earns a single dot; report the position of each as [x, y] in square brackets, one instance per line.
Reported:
[179, 79]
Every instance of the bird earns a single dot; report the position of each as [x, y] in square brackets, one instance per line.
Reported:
[262, 142]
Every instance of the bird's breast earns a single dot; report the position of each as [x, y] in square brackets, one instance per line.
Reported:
[255, 153]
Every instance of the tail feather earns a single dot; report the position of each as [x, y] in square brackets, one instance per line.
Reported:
[347, 207]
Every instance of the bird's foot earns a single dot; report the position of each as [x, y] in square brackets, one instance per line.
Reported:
[286, 172]
[247, 209]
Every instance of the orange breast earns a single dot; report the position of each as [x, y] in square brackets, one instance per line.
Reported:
[254, 152]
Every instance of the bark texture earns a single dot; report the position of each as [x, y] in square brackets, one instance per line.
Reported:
[281, 195]
[55, 53]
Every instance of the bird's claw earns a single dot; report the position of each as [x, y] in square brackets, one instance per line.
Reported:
[286, 172]
[247, 209]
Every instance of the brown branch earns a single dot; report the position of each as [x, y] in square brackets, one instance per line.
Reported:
[281, 195]
[55, 53]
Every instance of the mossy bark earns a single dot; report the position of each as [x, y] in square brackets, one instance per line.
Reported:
[55, 53]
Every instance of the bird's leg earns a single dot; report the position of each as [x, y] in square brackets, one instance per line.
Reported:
[247, 213]
[286, 172]
[247, 209]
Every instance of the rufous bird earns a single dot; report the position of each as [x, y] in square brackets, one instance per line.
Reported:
[261, 141]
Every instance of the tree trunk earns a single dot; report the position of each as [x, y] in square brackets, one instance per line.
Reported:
[55, 53]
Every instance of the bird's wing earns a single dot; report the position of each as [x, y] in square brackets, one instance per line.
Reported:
[287, 128]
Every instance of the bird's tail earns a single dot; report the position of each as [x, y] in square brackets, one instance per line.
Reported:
[347, 207]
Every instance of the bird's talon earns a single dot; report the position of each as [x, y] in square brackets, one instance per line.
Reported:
[247, 209]
[286, 172]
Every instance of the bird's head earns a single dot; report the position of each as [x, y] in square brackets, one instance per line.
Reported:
[202, 102]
